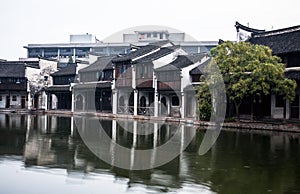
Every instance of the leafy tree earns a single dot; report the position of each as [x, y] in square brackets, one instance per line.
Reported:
[211, 94]
[251, 70]
[70, 60]
[204, 102]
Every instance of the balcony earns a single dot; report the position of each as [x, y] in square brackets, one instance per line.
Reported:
[174, 85]
[144, 83]
[124, 82]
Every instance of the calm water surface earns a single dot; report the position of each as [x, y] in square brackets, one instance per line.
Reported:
[46, 154]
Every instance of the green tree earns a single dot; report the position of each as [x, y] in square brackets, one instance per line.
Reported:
[251, 70]
[211, 94]
[70, 60]
[204, 102]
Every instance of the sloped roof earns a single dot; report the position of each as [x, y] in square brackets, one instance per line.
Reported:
[58, 88]
[137, 53]
[292, 73]
[69, 70]
[106, 84]
[200, 69]
[182, 61]
[161, 43]
[156, 55]
[281, 41]
[167, 68]
[33, 64]
[102, 63]
[12, 69]
[196, 57]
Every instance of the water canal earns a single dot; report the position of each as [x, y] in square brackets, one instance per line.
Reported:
[47, 154]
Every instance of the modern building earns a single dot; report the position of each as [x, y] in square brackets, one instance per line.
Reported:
[80, 45]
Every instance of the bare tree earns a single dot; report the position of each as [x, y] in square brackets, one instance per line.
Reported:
[39, 82]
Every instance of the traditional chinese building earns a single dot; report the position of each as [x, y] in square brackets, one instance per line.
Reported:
[13, 85]
[93, 92]
[59, 94]
[284, 43]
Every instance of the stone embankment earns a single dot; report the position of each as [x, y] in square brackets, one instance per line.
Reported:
[288, 126]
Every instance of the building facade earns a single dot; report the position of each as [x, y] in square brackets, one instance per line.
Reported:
[81, 45]
[151, 80]
[13, 85]
[284, 43]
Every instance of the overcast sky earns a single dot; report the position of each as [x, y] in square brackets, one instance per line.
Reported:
[24, 22]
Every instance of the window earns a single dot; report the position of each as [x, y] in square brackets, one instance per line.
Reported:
[123, 69]
[143, 71]
[161, 35]
[279, 102]
[97, 76]
[175, 101]
[14, 98]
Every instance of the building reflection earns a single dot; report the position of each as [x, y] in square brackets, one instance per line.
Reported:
[237, 159]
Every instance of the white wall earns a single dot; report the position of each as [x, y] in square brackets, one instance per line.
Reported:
[3, 101]
[13, 104]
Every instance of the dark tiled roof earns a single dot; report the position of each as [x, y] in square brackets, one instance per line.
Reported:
[161, 43]
[13, 86]
[167, 68]
[102, 63]
[196, 57]
[182, 61]
[12, 69]
[156, 55]
[69, 70]
[62, 88]
[137, 53]
[292, 73]
[93, 85]
[200, 69]
[280, 41]
[33, 64]
[48, 58]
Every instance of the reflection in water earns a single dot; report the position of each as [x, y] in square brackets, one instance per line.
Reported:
[41, 153]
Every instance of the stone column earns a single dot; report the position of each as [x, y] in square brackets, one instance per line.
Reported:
[155, 96]
[29, 102]
[115, 101]
[156, 108]
[72, 98]
[287, 105]
[135, 96]
[46, 101]
[182, 110]
[84, 102]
